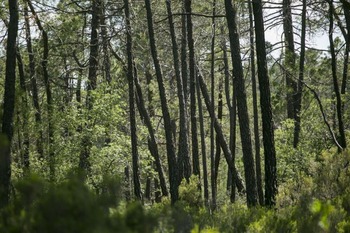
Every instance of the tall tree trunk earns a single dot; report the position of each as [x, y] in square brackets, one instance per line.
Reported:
[342, 138]
[84, 163]
[218, 149]
[9, 106]
[184, 65]
[243, 117]
[24, 112]
[190, 41]
[289, 57]
[130, 75]
[203, 145]
[212, 135]
[105, 43]
[232, 106]
[347, 48]
[184, 164]
[266, 111]
[34, 88]
[298, 96]
[172, 163]
[255, 109]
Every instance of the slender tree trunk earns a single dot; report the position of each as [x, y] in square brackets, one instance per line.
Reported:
[203, 145]
[266, 111]
[184, 164]
[190, 41]
[347, 48]
[105, 43]
[130, 75]
[243, 117]
[335, 79]
[218, 149]
[184, 65]
[255, 108]
[172, 163]
[289, 57]
[34, 88]
[298, 96]
[127, 183]
[25, 150]
[212, 135]
[232, 106]
[84, 163]
[9, 106]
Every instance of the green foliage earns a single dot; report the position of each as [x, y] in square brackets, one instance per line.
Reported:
[71, 206]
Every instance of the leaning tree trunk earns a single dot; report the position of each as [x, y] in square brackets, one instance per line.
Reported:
[203, 145]
[9, 106]
[224, 146]
[152, 143]
[218, 149]
[243, 116]
[172, 163]
[266, 111]
[130, 76]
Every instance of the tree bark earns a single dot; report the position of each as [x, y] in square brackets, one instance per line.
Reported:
[347, 48]
[289, 57]
[24, 112]
[298, 96]
[212, 133]
[184, 65]
[130, 76]
[243, 117]
[105, 43]
[232, 106]
[184, 164]
[9, 106]
[266, 111]
[190, 41]
[84, 163]
[342, 138]
[218, 149]
[255, 109]
[203, 145]
[172, 163]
